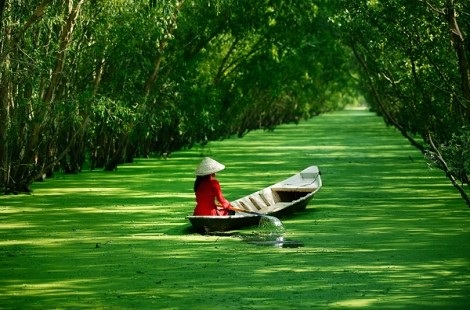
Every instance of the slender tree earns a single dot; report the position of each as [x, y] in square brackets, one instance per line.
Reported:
[414, 77]
[116, 79]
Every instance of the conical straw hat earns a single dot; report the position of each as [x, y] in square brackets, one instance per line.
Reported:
[208, 166]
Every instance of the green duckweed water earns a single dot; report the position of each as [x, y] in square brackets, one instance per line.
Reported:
[384, 232]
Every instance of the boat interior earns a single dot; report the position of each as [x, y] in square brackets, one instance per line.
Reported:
[279, 195]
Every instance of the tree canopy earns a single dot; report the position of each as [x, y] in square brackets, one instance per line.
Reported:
[414, 66]
[105, 81]
[115, 79]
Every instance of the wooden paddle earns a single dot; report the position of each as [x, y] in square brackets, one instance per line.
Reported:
[246, 211]
[273, 220]
[241, 210]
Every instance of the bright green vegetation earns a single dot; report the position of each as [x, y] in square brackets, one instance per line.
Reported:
[109, 81]
[105, 81]
[384, 231]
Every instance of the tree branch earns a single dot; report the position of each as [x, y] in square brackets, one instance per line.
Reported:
[447, 171]
[37, 15]
[459, 45]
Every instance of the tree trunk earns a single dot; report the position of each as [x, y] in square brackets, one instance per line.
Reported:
[8, 44]
[447, 171]
[158, 59]
[156, 67]
[64, 41]
[119, 153]
[5, 162]
[33, 152]
[459, 45]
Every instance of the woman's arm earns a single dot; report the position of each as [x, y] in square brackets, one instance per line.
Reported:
[219, 196]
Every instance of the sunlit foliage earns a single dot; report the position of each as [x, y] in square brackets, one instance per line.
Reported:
[414, 58]
[114, 79]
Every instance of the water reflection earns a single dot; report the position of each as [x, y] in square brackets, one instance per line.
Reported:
[274, 240]
[270, 232]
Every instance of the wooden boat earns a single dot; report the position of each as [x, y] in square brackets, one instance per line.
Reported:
[281, 199]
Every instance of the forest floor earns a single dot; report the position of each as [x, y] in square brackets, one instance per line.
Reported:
[384, 232]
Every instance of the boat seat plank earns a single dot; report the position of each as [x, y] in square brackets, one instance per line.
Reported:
[247, 204]
[276, 197]
[267, 196]
[257, 201]
[238, 205]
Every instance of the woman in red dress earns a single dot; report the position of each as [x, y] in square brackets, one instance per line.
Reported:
[208, 191]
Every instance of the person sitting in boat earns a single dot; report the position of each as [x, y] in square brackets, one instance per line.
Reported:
[207, 190]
